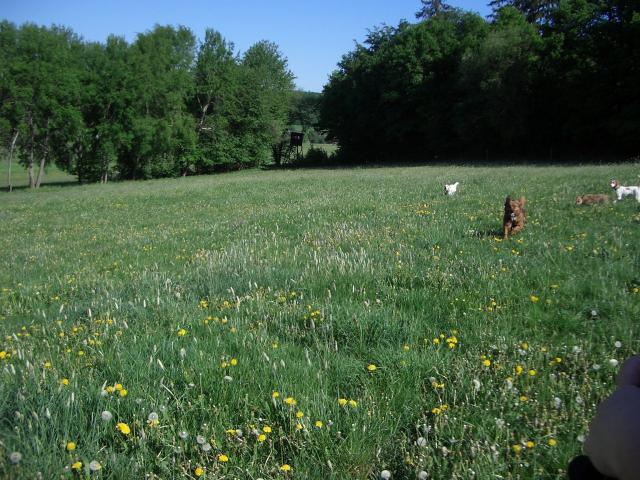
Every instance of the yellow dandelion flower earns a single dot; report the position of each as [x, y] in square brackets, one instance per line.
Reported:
[299, 414]
[406, 348]
[486, 362]
[123, 392]
[523, 398]
[299, 426]
[290, 401]
[182, 332]
[198, 472]
[436, 411]
[223, 458]
[285, 468]
[262, 437]
[342, 402]
[64, 381]
[266, 429]
[533, 298]
[519, 369]
[516, 449]
[524, 346]
[123, 428]
[436, 341]
[233, 362]
[530, 444]
[532, 372]
[118, 386]
[353, 403]
[109, 389]
[76, 466]
[372, 367]
[275, 394]
[318, 424]
[71, 446]
[552, 442]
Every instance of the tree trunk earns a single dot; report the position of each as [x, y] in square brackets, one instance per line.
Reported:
[13, 144]
[41, 171]
[30, 166]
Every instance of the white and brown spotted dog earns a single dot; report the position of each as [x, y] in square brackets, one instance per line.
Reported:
[622, 191]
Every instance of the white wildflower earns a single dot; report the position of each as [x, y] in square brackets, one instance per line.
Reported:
[106, 416]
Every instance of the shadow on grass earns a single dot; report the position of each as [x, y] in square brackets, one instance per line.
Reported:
[61, 183]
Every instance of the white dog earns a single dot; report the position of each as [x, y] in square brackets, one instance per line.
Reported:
[451, 189]
[625, 191]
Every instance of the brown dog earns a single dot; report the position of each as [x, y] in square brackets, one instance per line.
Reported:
[514, 216]
[592, 199]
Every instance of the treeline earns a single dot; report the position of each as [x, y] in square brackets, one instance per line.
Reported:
[540, 79]
[164, 105]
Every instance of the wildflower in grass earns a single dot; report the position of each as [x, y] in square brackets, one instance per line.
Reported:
[318, 424]
[613, 362]
[203, 304]
[530, 444]
[183, 434]
[476, 384]
[290, 401]
[71, 446]
[110, 389]
[275, 394]
[516, 449]
[532, 372]
[552, 442]
[422, 475]
[533, 298]
[233, 362]
[299, 426]
[385, 475]
[262, 437]
[123, 392]
[372, 367]
[76, 466]
[123, 428]
[198, 472]
[285, 467]
[15, 457]
[436, 341]
[436, 410]
[95, 466]
[47, 365]
[266, 429]
[182, 332]
[118, 387]
[519, 369]
[557, 402]
[421, 442]
[106, 416]
[523, 398]
[299, 414]
[206, 447]
[353, 403]
[153, 419]
[342, 402]
[486, 362]
[64, 381]
[406, 348]
[222, 458]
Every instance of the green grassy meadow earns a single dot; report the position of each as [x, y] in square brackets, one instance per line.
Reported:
[312, 324]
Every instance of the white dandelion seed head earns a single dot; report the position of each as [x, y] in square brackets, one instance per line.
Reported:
[594, 313]
[139, 401]
[522, 352]
[579, 400]
[385, 474]
[580, 438]
[94, 466]
[163, 408]
[576, 349]
[617, 344]
[15, 457]
[596, 366]
[557, 402]
[183, 352]
[239, 433]
[421, 442]
[500, 422]
[106, 416]
[422, 475]
[613, 362]
[227, 378]
[200, 439]
[206, 447]
[183, 434]
[153, 417]
[476, 384]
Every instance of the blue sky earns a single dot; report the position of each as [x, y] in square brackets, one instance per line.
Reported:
[312, 35]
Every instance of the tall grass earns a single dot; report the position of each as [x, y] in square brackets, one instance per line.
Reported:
[366, 320]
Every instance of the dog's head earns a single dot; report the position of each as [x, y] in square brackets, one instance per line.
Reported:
[614, 184]
[579, 200]
[515, 208]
